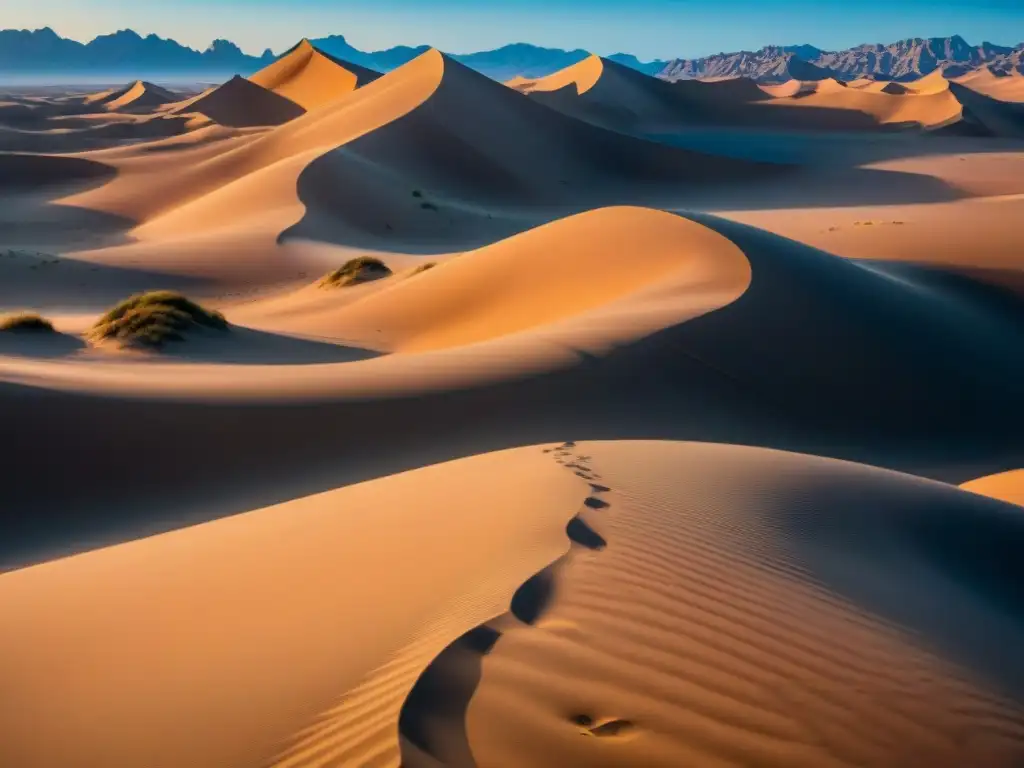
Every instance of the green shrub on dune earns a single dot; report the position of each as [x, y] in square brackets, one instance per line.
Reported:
[359, 270]
[151, 319]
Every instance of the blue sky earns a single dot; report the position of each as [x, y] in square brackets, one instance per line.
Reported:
[647, 28]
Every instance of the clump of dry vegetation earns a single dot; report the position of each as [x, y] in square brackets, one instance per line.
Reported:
[154, 318]
[423, 268]
[25, 322]
[359, 270]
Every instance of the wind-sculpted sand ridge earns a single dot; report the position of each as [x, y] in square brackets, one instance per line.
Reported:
[717, 604]
[432, 126]
[731, 615]
[605, 93]
[817, 353]
[312, 78]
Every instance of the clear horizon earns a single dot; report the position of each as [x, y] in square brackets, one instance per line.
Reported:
[649, 29]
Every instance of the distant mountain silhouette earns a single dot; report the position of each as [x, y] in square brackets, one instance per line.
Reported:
[43, 51]
[903, 60]
[129, 54]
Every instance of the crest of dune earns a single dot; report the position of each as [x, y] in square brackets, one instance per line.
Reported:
[1005, 486]
[1008, 88]
[581, 76]
[312, 78]
[603, 92]
[140, 95]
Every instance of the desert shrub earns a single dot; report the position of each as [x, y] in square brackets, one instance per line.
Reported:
[25, 322]
[151, 319]
[359, 270]
[423, 268]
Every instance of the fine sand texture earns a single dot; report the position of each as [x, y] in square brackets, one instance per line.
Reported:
[651, 424]
[620, 603]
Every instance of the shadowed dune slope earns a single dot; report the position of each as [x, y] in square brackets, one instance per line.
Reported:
[1006, 486]
[241, 103]
[312, 78]
[19, 172]
[751, 608]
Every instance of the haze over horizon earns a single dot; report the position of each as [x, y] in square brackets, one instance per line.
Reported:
[646, 28]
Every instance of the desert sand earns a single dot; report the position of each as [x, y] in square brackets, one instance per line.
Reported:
[663, 424]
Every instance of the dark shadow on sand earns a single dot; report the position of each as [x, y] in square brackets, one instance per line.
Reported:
[245, 346]
[945, 566]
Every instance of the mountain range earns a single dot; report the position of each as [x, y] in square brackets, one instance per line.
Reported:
[903, 60]
[128, 54]
[43, 52]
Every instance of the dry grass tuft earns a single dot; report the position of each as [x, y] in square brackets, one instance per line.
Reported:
[360, 270]
[154, 318]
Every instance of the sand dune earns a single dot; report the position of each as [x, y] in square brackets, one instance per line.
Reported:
[703, 614]
[603, 92]
[312, 78]
[608, 94]
[433, 127]
[726, 607]
[205, 666]
[140, 96]
[568, 272]
[239, 103]
[1009, 88]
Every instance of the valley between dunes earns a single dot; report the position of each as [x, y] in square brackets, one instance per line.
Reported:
[657, 424]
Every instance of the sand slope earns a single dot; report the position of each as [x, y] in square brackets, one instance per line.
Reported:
[1009, 88]
[240, 103]
[741, 607]
[566, 273]
[312, 78]
[140, 96]
[203, 665]
[719, 605]
[1006, 486]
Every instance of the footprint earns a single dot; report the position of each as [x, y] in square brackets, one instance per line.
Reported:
[599, 488]
[581, 533]
[592, 502]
